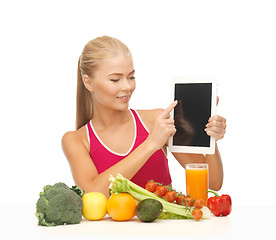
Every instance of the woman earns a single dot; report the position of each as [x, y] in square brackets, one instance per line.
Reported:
[111, 138]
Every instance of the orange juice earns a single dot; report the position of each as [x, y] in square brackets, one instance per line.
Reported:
[197, 181]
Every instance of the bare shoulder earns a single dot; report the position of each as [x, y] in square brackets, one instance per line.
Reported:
[73, 138]
[148, 116]
[68, 137]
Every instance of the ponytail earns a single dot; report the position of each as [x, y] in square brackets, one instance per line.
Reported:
[84, 102]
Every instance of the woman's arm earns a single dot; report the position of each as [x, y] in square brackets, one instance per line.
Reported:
[84, 171]
[216, 128]
[214, 164]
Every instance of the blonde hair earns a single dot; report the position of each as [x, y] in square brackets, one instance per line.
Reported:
[93, 52]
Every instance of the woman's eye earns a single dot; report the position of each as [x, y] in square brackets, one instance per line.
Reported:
[114, 80]
[132, 78]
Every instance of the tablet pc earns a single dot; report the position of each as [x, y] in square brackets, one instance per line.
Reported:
[196, 104]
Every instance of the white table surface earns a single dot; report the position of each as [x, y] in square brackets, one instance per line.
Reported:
[244, 221]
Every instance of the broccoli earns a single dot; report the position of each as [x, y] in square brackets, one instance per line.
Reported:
[59, 204]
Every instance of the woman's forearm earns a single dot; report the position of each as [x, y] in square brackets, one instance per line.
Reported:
[214, 164]
[128, 167]
[215, 170]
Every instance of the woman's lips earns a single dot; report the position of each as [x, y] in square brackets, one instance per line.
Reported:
[124, 98]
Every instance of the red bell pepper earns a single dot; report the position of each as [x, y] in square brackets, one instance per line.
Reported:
[220, 205]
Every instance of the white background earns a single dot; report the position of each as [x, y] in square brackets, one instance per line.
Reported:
[40, 45]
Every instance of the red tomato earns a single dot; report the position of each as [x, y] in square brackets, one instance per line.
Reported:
[151, 186]
[180, 199]
[171, 196]
[161, 191]
[199, 203]
[189, 201]
[197, 214]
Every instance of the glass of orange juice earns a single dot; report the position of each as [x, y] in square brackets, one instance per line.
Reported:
[197, 181]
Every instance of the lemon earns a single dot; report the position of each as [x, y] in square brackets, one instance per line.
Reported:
[94, 205]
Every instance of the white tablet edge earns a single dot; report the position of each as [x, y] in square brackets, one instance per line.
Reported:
[193, 79]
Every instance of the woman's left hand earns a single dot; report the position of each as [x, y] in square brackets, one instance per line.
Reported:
[216, 127]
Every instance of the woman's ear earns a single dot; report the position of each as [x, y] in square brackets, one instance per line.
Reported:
[87, 82]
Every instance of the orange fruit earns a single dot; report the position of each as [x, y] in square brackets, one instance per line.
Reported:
[121, 207]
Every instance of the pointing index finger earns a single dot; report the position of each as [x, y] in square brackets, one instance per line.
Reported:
[167, 111]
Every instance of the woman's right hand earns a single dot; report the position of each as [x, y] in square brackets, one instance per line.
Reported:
[162, 129]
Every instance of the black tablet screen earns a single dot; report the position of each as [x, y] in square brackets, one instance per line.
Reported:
[191, 114]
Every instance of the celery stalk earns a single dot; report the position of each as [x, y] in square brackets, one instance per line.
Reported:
[120, 184]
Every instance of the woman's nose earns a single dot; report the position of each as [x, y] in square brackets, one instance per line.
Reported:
[125, 85]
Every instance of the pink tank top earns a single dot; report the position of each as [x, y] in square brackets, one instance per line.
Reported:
[156, 168]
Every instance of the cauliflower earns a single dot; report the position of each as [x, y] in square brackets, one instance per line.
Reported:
[59, 204]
